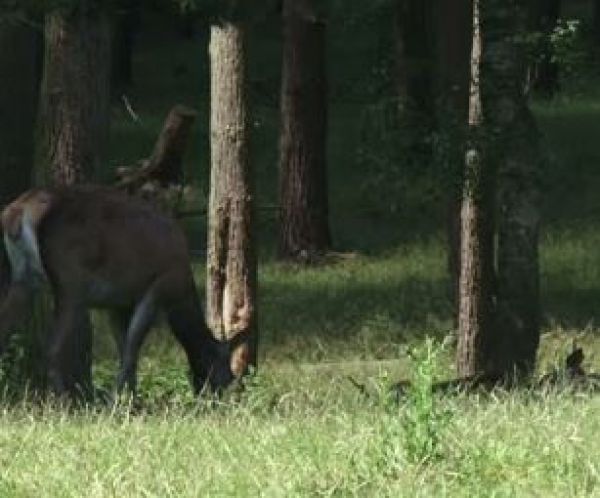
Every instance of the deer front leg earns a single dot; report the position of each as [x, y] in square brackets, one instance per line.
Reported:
[139, 326]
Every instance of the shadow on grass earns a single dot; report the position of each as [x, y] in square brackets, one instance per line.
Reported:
[572, 308]
[358, 313]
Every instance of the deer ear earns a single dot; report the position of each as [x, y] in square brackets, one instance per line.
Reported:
[239, 359]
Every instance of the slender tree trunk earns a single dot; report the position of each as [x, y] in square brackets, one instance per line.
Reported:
[19, 80]
[75, 93]
[475, 299]
[517, 146]
[304, 224]
[454, 27]
[74, 121]
[231, 265]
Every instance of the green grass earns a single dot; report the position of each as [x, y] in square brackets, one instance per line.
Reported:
[304, 443]
[302, 428]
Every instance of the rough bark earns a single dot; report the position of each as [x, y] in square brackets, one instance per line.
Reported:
[75, 93]
[303, 198]
[19, 80]
[475, 299]
[454, 28]
[499, 313]
[74, 118]
[231, 261]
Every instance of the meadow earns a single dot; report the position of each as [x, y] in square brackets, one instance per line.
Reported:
[301, 427]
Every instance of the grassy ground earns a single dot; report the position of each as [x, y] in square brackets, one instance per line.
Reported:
[302, 428]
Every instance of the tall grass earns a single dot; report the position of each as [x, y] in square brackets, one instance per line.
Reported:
[509, 445]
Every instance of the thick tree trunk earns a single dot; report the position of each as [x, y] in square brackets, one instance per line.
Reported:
[501, 340]
[75, 112]
[304, 223]
[475, 299]
[454, 27]
[75, 93]
[19, 80]
[231, 265]
[516, 144]
[518, 303]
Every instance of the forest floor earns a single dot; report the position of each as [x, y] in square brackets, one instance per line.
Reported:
[302, 428]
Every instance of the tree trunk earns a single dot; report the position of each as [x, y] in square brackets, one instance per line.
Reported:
[501, 340]
[19, 80]
[75, 93]
[454, 28]
[231, 264]
[518, 313]
[75, 114]
[475, 299]
[518, 150]
[304, 224]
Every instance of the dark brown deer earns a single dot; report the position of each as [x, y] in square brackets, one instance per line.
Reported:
[99, 248]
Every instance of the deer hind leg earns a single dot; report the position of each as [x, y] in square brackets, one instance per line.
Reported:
[13, 309]
[119, 321]
[68, 371]
[140, 324]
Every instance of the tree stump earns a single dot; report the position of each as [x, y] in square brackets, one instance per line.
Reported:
[159, 178]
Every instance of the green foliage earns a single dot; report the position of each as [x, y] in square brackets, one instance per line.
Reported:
[259, 394]
[569, 48]
[424, 421]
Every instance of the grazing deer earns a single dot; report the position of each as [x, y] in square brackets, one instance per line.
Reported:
[99, 248]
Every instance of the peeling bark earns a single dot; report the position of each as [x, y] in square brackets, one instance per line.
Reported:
[231, 261]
